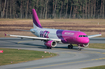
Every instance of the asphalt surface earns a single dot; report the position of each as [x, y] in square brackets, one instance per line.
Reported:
[66, 59]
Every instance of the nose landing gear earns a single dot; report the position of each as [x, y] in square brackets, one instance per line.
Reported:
[79, 47]
[49, 47]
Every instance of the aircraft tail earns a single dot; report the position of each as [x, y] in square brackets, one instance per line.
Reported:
[36, 22]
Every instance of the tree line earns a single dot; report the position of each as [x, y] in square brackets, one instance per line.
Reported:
[52, 8]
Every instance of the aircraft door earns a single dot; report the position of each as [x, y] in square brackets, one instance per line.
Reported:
[75, 35]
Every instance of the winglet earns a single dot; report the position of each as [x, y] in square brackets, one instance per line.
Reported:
[5, 34]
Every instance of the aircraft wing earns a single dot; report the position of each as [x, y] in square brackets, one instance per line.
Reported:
[92, 36]
[35, 38]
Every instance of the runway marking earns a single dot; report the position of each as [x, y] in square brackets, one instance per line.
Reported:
[66, 52]
[98, 52]
[23, 41]
[103, 53]
[66, 63]
[80, 52]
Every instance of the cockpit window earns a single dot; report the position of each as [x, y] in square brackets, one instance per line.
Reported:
[83, 36]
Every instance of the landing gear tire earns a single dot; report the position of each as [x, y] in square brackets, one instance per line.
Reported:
[70, 46]
[49, 48]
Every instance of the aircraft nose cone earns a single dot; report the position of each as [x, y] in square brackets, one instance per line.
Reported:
[86, 41]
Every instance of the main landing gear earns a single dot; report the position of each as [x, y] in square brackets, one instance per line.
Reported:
[49, 47]
[70, 46]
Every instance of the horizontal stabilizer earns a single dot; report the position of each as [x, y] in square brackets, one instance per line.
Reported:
[22, 30]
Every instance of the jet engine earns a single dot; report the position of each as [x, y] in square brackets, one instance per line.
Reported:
[84, 45]
[51, 43]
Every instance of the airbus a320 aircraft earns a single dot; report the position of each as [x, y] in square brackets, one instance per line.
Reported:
[53, 36]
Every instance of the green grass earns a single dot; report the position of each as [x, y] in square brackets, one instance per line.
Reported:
[97, 45]
[97, 67]
[12, 56]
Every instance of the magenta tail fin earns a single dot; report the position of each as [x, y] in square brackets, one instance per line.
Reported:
[35, 19]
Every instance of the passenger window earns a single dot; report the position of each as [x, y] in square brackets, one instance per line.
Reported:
[80, 35]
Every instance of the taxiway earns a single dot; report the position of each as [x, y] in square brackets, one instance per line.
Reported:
[66, 59]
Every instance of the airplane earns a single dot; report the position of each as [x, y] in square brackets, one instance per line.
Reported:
[53, 36]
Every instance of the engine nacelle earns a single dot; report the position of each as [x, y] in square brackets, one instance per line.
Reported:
[51, 43]
[84, 45]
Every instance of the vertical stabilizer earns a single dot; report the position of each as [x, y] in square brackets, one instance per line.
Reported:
[36, 22]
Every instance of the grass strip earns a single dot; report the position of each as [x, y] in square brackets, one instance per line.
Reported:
[97, 45]
[12, 56]
[97, 67]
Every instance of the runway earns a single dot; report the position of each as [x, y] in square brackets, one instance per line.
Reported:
[66, 59]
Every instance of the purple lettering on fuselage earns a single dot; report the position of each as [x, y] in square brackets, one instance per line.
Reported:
[44, 34]
[60, 36]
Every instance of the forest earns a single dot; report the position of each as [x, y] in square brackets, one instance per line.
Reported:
[51, 9]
